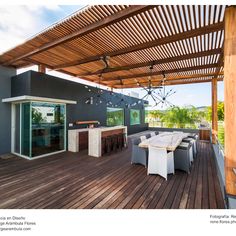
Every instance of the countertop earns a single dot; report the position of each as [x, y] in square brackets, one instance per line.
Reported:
[78, 130]
[108, 128]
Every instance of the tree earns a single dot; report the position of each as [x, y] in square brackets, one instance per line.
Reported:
[155, 114]
[220, 111]
[37, 117]
[115, 117]
[180, 117]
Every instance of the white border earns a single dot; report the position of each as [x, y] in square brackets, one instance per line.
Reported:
[37, 157]
[26, 98]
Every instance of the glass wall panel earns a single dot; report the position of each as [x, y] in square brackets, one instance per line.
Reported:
[17, 128]
[115, 116]
[48, 128]
[25, 129]
[134, 117]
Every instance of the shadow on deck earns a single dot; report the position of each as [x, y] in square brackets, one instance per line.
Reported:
[75, 180]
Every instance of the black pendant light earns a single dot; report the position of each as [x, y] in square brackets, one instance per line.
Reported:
[150, 89]
[163, 95]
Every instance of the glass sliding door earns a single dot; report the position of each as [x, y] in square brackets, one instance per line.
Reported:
[16, 126]
[39, 128]
[25, 129]
[48, 128]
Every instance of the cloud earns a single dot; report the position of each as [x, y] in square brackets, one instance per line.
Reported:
[19, 22]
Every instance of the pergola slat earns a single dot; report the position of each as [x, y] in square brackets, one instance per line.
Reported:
[157, 62]
[162, 41]
[215, 65]
[132, 10]
[168, 83]
[186, 40]
[171, 78]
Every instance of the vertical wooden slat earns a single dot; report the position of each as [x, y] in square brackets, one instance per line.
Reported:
[230, 98]
[214, 109]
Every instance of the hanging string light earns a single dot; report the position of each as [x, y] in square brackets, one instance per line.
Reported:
[99, 96]
[122, 102]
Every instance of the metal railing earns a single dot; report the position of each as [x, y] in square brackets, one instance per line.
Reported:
[220, 147]
[159, 124]
[219, 158]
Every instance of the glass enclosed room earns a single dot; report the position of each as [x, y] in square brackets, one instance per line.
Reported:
[38, 126]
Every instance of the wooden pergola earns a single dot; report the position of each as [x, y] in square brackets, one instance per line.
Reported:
[116, 45]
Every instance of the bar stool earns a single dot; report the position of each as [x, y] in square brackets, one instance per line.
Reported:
[120, 141]
[181, 157]
[108, 144]
[114, 140]
[124, 143]
[103, 145]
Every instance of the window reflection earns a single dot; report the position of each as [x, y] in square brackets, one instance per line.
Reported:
[48, 126]
[115, 116]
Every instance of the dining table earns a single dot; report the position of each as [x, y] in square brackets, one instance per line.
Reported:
[168, 140]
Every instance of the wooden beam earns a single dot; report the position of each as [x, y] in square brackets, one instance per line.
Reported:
[24, 65]
[214, 99]
[32, 61]
[230, 99]
[168, 83]
[112, 19]
[134, 76]
[176, 78]
[214, 109]
[155, 62]
[154, 43]
[42, 68]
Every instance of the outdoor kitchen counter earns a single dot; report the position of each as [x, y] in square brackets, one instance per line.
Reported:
[77, 139]
[95, 138]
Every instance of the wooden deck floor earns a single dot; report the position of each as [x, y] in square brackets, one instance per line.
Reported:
[71, 180]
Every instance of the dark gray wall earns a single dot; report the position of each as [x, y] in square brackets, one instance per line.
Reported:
[5, 109]
[21, 84]
[43, 85]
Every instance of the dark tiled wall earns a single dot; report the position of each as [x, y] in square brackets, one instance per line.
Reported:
[5, 109]
[43, 85]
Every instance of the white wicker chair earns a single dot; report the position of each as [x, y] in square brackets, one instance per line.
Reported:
[160, 162]
[143, 137]
[153, 134]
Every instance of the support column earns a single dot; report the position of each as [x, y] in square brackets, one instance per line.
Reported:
[42, 68]
[230, 99]
[214, 109]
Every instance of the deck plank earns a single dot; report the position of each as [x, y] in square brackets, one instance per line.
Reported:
[199, 185]
[211, 179]
[75, 180]
[205, 187]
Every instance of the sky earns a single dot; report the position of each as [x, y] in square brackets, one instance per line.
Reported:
[20, 22]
